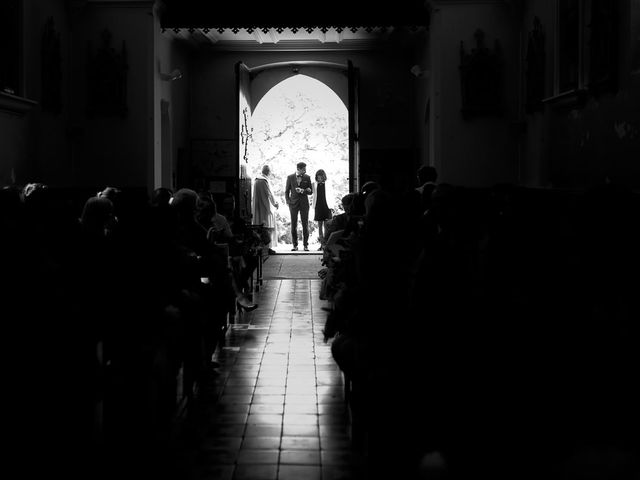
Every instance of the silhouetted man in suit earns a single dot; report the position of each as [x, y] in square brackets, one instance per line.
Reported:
[297, 194]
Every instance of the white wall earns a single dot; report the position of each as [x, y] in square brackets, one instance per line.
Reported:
[481, 151]
[34, 145]
[387, 95]
[113, 150]
[176, 93]
[577, 146]
[535, 141]
[70, 149]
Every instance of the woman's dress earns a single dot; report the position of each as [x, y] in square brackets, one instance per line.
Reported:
[322, 211]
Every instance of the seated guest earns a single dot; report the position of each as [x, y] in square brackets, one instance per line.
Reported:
[190, 233]
[200, 271]
[340, 221]
[427, 176]
[231, 247]
[161, 196]
[205, 209]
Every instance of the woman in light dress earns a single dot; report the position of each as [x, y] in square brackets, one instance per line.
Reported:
[263, 200]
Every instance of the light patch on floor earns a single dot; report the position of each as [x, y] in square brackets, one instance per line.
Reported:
[293, 266]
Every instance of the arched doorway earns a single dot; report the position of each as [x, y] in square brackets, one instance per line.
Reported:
[300, 119]
[298, 111]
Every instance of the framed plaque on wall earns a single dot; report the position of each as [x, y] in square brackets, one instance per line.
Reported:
[213, 157]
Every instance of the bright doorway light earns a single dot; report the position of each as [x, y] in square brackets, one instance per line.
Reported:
[300, 119]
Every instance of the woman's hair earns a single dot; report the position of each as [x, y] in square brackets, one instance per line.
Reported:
[161, 196]
[109, 192]
[369, 187]
[185, 201]
[347, 202]
[96, 213]
[29, 188]
[206, 204]
[321, 172]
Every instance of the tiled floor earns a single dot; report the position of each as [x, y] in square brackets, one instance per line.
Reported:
[292, 266]
[286, 247]
[276, 409]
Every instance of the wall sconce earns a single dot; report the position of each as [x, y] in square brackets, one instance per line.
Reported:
[176, 74]
[419, 72]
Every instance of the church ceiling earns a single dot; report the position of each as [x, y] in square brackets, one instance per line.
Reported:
[291, 25]
[289, 13]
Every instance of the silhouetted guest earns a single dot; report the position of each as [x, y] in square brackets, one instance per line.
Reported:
[358, 202]
[427, 176]
[205, 209]
[263, 200]
[341, 220]
[190, 233]
[241, 244]
[109, 192]
[161, 196]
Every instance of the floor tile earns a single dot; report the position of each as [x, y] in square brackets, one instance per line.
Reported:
[298, 472]
[301, 430]
[300, 457]
[263, 430]
[279, 411]
[217, 472]
[258, 456]
[261, 443]
[256, 472]
[268, 408]
[300, 443]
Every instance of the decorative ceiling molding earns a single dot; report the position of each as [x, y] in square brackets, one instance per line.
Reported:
[286, 38]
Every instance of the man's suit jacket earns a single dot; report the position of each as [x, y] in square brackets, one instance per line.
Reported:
[294, 198]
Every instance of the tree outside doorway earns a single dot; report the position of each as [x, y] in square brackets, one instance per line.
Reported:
[300, 119]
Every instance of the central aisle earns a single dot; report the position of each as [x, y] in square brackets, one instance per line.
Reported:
[276, 409]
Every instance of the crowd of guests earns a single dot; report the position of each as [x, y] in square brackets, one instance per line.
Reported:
[488, 331]
[111, 300]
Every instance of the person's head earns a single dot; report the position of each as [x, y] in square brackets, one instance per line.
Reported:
[369, 187]
[228, 205]
[115, 195]
[427, 173]
[301, 168]
[109, 192]
[321, 176]
[185, 201]
[31, 188]
[37, 198]
[161, 197]
[266, 171]
[205, 206]
[347, 202]
[378, 206]
[98, 215]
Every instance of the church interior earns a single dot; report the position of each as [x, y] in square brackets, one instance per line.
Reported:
[487, 328]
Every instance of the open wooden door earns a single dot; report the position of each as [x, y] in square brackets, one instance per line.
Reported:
[243, 137]
[354, 144]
